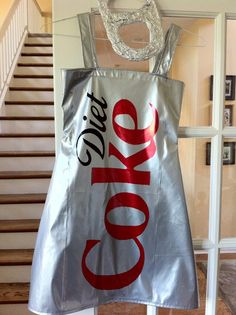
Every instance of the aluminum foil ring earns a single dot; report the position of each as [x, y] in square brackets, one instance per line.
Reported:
[148, 14]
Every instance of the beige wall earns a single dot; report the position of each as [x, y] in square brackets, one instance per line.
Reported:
[46, 9]
[45, 5]
[5, 6]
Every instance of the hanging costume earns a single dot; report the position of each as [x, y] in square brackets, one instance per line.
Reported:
[115, 225]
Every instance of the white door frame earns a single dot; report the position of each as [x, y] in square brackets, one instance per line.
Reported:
[68, 54]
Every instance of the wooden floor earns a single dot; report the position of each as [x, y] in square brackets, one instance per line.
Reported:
[136, 309]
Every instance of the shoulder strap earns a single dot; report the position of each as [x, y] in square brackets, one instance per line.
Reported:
[165, 57]
[87, 39]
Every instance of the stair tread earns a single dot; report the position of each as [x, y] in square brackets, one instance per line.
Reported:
[19, 226]
[14, 293]
[28, 103]
[37, 89]
[25, 174]
[27, 135]
[34, 64]
[22, 198]
[16, 257]
[32, 76]
[26, 153]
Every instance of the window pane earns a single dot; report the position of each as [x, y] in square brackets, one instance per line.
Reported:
[194, 159]
[229, 114]
[201, 260]
[228, 216]
[227, 284]
[193, 64]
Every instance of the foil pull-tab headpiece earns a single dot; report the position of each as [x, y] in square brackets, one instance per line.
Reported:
[148, 14]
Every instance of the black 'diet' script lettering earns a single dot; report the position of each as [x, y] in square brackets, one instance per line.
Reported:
[96, 129]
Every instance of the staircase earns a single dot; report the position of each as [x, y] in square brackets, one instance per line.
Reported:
[26, 162]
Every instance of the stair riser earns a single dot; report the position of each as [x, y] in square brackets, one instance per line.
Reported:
[15, 309]
[26, 126]
[13, 274]
[32, 110]
[29, 96]
[35, 59]
[21, 211]
[24, 186]
[27, 144]
[35, 70]
[41, 40]
[26, 163]
[17, 240]
[39, 50]
[47, 83]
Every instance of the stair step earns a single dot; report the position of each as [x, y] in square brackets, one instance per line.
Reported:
[36, 54]
[25, 174]
[35, 50]
[32, 76]
[24, 186]
[28, 103]
[14, 293]
[27, 135]
[19, 226]
[21, 211]
[44, 89]
[26, 118]
[16, 257]
[15, 273]
[27, 127]
[26, 164]
[22, 198]
[27, 111]
[34, 70]
[36, 59]
[20, 64]
[27, 144]
[12, 309]
[26, 153]
[37, 45]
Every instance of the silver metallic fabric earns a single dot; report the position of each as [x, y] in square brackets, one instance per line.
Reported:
[115, 225]
[148, 14]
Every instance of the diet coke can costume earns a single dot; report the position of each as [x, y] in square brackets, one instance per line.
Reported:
[115, 225]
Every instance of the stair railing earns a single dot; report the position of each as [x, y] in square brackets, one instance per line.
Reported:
[24, 16]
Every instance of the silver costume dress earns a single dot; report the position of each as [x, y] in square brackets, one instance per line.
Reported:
[115, 225]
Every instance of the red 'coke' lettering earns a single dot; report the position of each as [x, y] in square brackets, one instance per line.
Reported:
[129, 175]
